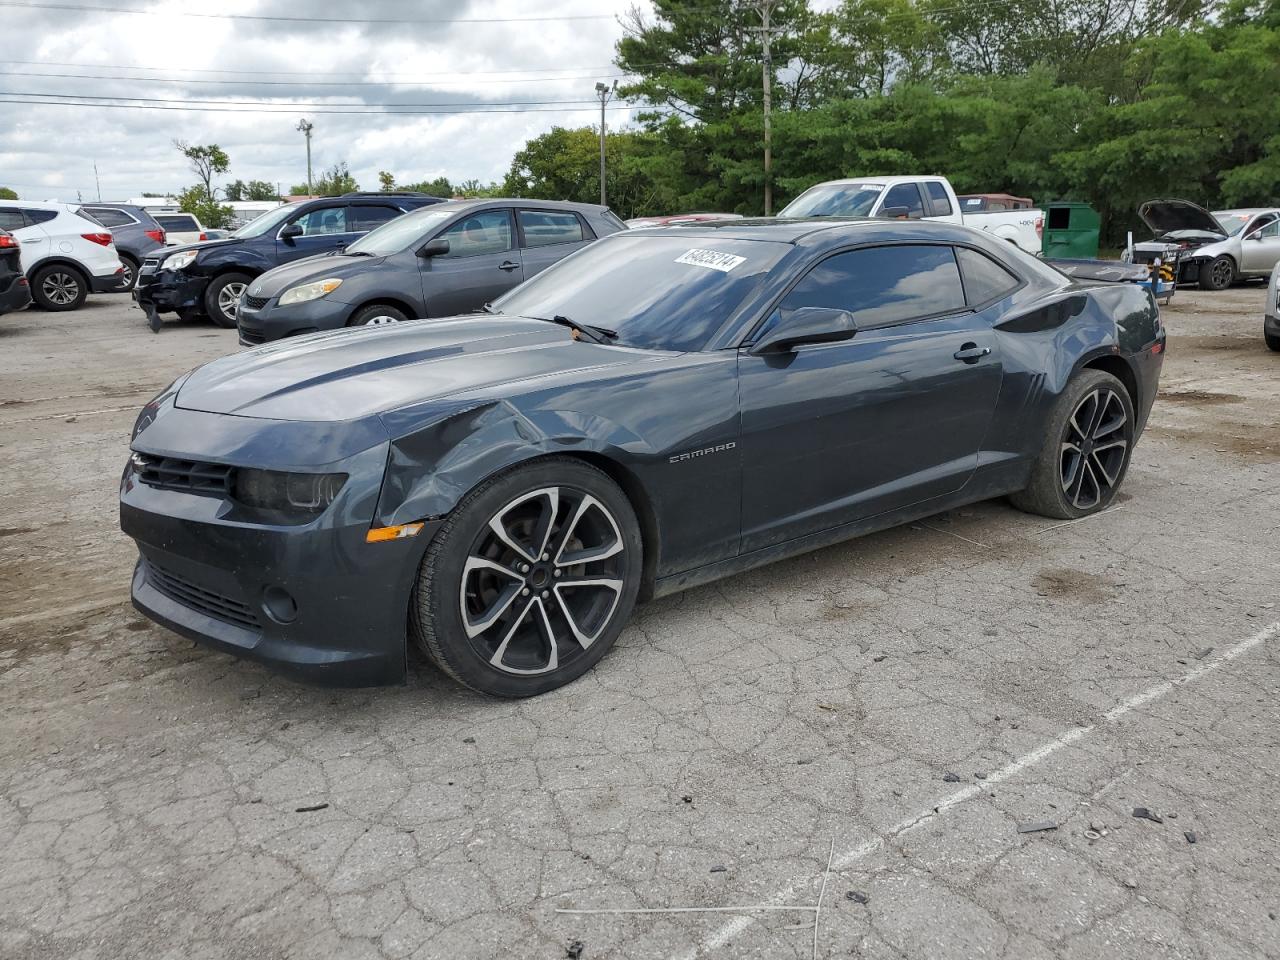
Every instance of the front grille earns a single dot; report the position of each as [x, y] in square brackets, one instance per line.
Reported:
[255, 303]
[170, 473]
[199, 598]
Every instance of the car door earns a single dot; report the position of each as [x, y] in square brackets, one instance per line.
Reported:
[548, 236]
[483, 262]
[324, 229]
[1260, 249]
[836, 432]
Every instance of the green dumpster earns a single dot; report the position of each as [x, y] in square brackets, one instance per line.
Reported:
[1070, 230]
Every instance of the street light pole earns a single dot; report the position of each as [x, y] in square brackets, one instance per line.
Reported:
[604, 92]
[305, 126]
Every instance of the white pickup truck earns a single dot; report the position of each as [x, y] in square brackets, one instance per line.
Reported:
[913, 198]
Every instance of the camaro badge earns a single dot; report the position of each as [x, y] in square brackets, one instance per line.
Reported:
[704, 452]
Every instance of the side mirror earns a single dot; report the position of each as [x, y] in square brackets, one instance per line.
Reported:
[291, 231]
[433, 248]
[897, 213]
[806, 325]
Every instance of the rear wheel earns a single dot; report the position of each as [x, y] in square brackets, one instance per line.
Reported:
[531, 579]
[59, 287]
[1088, 440]
[376, 314]
[1218, 274]
[222, 297]
[130, 275]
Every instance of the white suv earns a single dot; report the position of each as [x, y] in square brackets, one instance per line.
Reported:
[180, 228]
[64, 255]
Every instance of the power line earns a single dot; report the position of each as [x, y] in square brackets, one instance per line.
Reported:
[284, 105]
[291, 108]
[590, 71]
[295, 83]
[83, 8]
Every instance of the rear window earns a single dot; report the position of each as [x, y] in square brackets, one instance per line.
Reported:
[108, 216]
[178, 222]
[984, 279]
[39, 216]
[543, 228]
[939, 202]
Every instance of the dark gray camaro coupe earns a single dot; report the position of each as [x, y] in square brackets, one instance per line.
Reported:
[662, 408]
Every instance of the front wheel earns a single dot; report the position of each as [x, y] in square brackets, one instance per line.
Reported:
[1218, 274]
[130, 275]
[530, 580]
[1088, 439]
[222, 298]
[376, 314]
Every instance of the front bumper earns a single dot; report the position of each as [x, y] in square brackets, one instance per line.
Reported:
[274, 322]
[170, 291]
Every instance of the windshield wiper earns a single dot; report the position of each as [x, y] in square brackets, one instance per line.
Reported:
[489, 308]
[354, 253]
[589, 331]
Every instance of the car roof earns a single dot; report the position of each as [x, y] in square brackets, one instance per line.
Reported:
[40, 204]
[818, 231]
[1248, 211]
[477, 202]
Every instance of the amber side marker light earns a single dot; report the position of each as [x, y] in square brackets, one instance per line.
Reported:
[399, 532]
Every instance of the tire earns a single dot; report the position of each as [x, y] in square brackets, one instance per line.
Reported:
[222, 297]
[1272, 339]
[376, 313]
[130, 272]
[500, 620]
[1079, 470]
[58, 288]
[1218, 274]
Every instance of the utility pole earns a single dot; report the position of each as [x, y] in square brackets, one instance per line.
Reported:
[305, 126]
[604, 92]
[765, 9]
[97, 181]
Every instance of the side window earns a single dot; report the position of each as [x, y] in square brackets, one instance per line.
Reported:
[39, 216]
[370, 215]
[881, 286]
[11, 219]
[984, 279]
[109, 216]
[1272, 228]
[323, 221]
[488, 231]
[542, 228]
[938, 199]
[905, 195]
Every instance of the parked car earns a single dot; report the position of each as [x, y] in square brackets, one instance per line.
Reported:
[441, 260]
[1212, 249]
[181, 228]
[680, 218]
[136, 233]
[64, 254]
[915, 198]
[1271, 313]
[663, 408]
[208, 279]
[15, 291]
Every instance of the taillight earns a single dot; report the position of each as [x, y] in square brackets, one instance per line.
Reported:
[8, 241]
[1039, 226]
[203, 237]
[104, 239]
[156, 235]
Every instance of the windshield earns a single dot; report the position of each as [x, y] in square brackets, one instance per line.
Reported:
[266, 223]
[658, 292]
[395, 235]
[1233, 223]
[835, 200]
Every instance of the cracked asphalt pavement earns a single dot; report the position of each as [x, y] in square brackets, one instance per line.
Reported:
[871, 723]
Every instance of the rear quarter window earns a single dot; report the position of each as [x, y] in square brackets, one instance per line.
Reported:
[108, 216]
[544, 228]
[984, 279]
[39, 216]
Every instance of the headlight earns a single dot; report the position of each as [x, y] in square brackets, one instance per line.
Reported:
[180, 260]
[276, 490]
[309, 291]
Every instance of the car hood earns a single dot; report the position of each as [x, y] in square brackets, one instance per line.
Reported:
[1168, 216]
[202, 245]
[350, 374]
[279, 279]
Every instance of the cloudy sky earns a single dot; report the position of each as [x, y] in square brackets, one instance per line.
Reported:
[524, 67]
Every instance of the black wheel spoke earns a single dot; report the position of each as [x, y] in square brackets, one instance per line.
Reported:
[1094, 448]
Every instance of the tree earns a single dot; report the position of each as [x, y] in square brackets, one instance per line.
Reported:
[7, 194]
[195, 200]
[333, 182]
[386, 180]
[205, 161]
[439, 187]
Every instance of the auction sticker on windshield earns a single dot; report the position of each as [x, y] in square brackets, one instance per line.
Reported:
[711, 259]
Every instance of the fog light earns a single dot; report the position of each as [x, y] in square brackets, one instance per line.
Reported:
[279, 606]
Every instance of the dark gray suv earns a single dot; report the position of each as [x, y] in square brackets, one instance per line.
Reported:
[438, 261]
[136, 234]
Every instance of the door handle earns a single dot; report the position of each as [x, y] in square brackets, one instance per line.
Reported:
[508, 266]
[971, 353]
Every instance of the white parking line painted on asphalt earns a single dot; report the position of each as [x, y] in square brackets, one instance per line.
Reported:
[848, 857]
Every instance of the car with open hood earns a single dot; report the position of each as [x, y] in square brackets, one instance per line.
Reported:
[1214, 249]
[661, 408]
[438, 261]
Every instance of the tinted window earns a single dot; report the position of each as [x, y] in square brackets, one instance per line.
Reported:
[182, 224]
[904, 195]
[834, 200]
[109, 216]
[543, 227]
[883, 285]
[368, 215]
[938, 199]
[664, 292]
[488, 231]
[40, 216]
[323, 222]
[11, 219]
[1269, 227]
[984, 279]
[400, 233]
